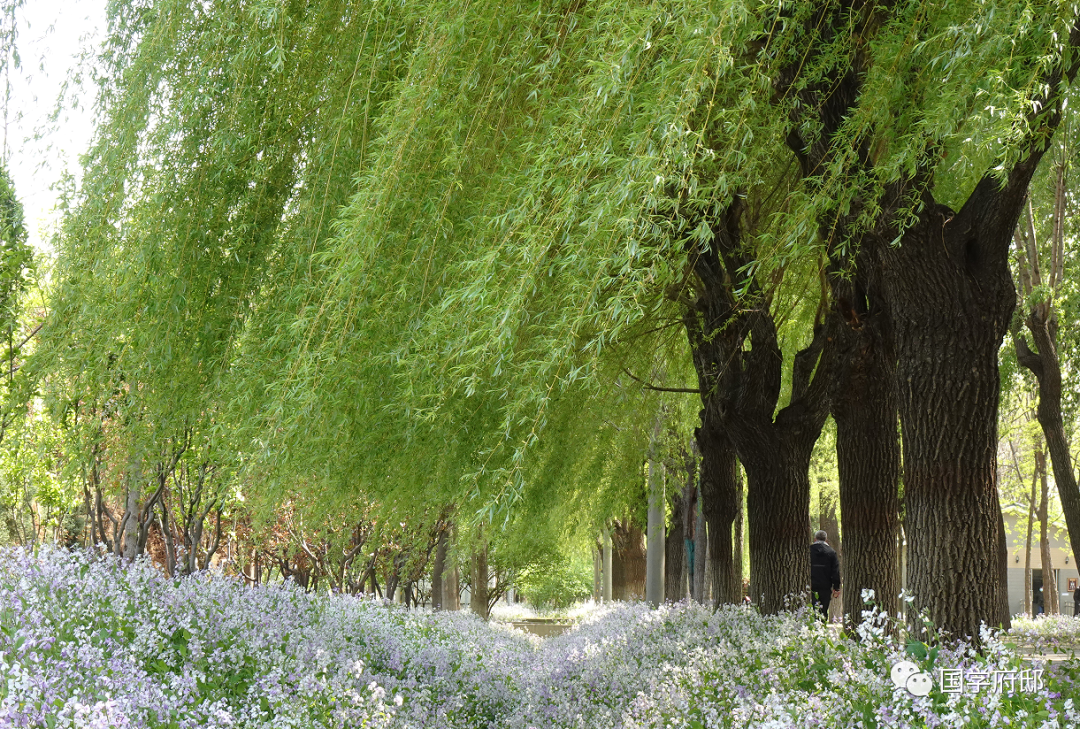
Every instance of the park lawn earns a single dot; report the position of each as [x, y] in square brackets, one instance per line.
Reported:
[87, 643]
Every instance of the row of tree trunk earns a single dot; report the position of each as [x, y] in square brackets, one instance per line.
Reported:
[909, 333]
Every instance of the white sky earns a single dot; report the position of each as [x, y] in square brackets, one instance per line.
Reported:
[51, 35]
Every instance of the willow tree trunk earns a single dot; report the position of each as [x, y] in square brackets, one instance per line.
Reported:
[675, 556]
[700, 554]
[719, 496]
[628, 562]
[951, 296]
[438, 572]
[452, 588]
[777, 509]
[654, 557]
[868, 460]
[478, 600]
[597, 584]
[740, 390]
[607, 568]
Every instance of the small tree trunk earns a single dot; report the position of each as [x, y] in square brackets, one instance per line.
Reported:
[170, 543]
[479, 596]
[675, 557]
[452, 589]
[654, 565]
[1049, 583]
[720, 504]
[606, 574]
[133, 510]
[597, 581]
[1028, 607]
[700, 552]
[628, 562]
[867, 445]
[438, 572]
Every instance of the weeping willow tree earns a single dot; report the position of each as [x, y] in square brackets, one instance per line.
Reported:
[431, 250]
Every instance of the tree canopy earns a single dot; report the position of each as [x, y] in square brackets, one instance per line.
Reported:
[443, 251]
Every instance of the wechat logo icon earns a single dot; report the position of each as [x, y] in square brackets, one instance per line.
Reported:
[907, 675]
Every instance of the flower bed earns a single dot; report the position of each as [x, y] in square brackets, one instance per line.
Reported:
[86, 643]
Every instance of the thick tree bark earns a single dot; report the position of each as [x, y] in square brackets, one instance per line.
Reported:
[719, 497]
[868, 456]
[740, 389]
[951, 298]
[739, 539]
[777, 509]
[452, 589]
[864, 405]
[949, 292]
[478, 601]
[628, 562]
[676, 559]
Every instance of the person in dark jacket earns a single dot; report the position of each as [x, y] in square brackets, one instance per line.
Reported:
[1076, 602]
[824, 573]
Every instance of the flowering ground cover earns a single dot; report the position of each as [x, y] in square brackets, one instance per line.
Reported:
[87, 643]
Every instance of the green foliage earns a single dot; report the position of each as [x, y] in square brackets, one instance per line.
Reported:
[557, 581]
[407, 252]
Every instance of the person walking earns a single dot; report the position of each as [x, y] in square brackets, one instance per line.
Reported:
[1076, 602]
[824, 574]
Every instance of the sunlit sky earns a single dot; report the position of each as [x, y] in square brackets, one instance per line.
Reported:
[52, 34]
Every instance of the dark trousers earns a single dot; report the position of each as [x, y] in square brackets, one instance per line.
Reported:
[820, 597]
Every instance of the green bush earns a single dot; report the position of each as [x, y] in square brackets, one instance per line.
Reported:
[557, 582]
